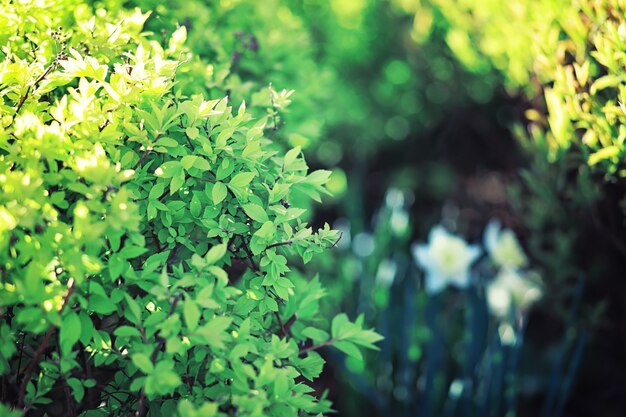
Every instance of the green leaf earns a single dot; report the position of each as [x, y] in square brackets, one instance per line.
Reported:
[319, 177]
[89, 383]
[218, 194]
[126, 331]
[267, 231]
[216, 253]
[191, 314]
[178, 180]
[337, 324]
[223, 137]
[133, 307]
[167, 142]
[213, 331]
[101, 304]
[348, 348]
[188, 161]
[193, 161]
[242, 179]
[86, 328]
[192, 132]
[131, 251]
[367, 338]
[157, 190]
[142, 362]
[78, 391]
[69, 332]
[316, 335]
[168, 169]
[311, 367]
[224, 169]
[290, 157]
[255, 212]
[195, 206]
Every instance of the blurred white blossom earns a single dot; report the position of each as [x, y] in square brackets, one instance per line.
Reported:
[512, 290]
[446, 260]
[503, 247]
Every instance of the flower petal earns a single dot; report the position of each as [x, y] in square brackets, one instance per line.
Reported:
[421, 253]
[492, 232]
[436, 233]
[461, 281]
[434, 283]
[474, 252]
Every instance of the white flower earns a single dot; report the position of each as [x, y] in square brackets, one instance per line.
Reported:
[503, 247]
[446, 260]
[511, 290]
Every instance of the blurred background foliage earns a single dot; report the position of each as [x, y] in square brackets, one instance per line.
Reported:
[452, 112]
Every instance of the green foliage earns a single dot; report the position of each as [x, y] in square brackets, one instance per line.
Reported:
[147, 227]
[240, 47]
[564, 59]
[389, 87]
[566, 56]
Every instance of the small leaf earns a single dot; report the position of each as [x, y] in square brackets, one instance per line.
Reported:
[167, 142]
[192, 132]
[290, 157]
[316, 335]
[218, 194]
[242, 179]
[142, 362]
[195, 206]
[338, 322]
[69, 333]
[78, 391]
[348, 348]
[101, 304]
[178, 181]
[216, 253]
[126, 331]
[157, 190]
[133, 306]
[191, 314]
[311, 367]
[255, 212]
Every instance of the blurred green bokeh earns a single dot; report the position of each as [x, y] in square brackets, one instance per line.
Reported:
[451, 112]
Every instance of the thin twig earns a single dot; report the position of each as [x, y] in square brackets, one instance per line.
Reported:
[315, 347]
[68, 397]
[140, 405]
[147, 151]
[249, 254]
[37, 81]
[274, 245]
[193, 148]
[282, 326]
[104, 125]
[336, 241]
[19, 362]
[290, 322]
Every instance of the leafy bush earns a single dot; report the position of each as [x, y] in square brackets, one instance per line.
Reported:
[145, 230]
[565, 56]
[243, 46]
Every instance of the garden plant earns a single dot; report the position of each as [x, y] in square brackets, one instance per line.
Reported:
[145, 231]
[286, 208]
